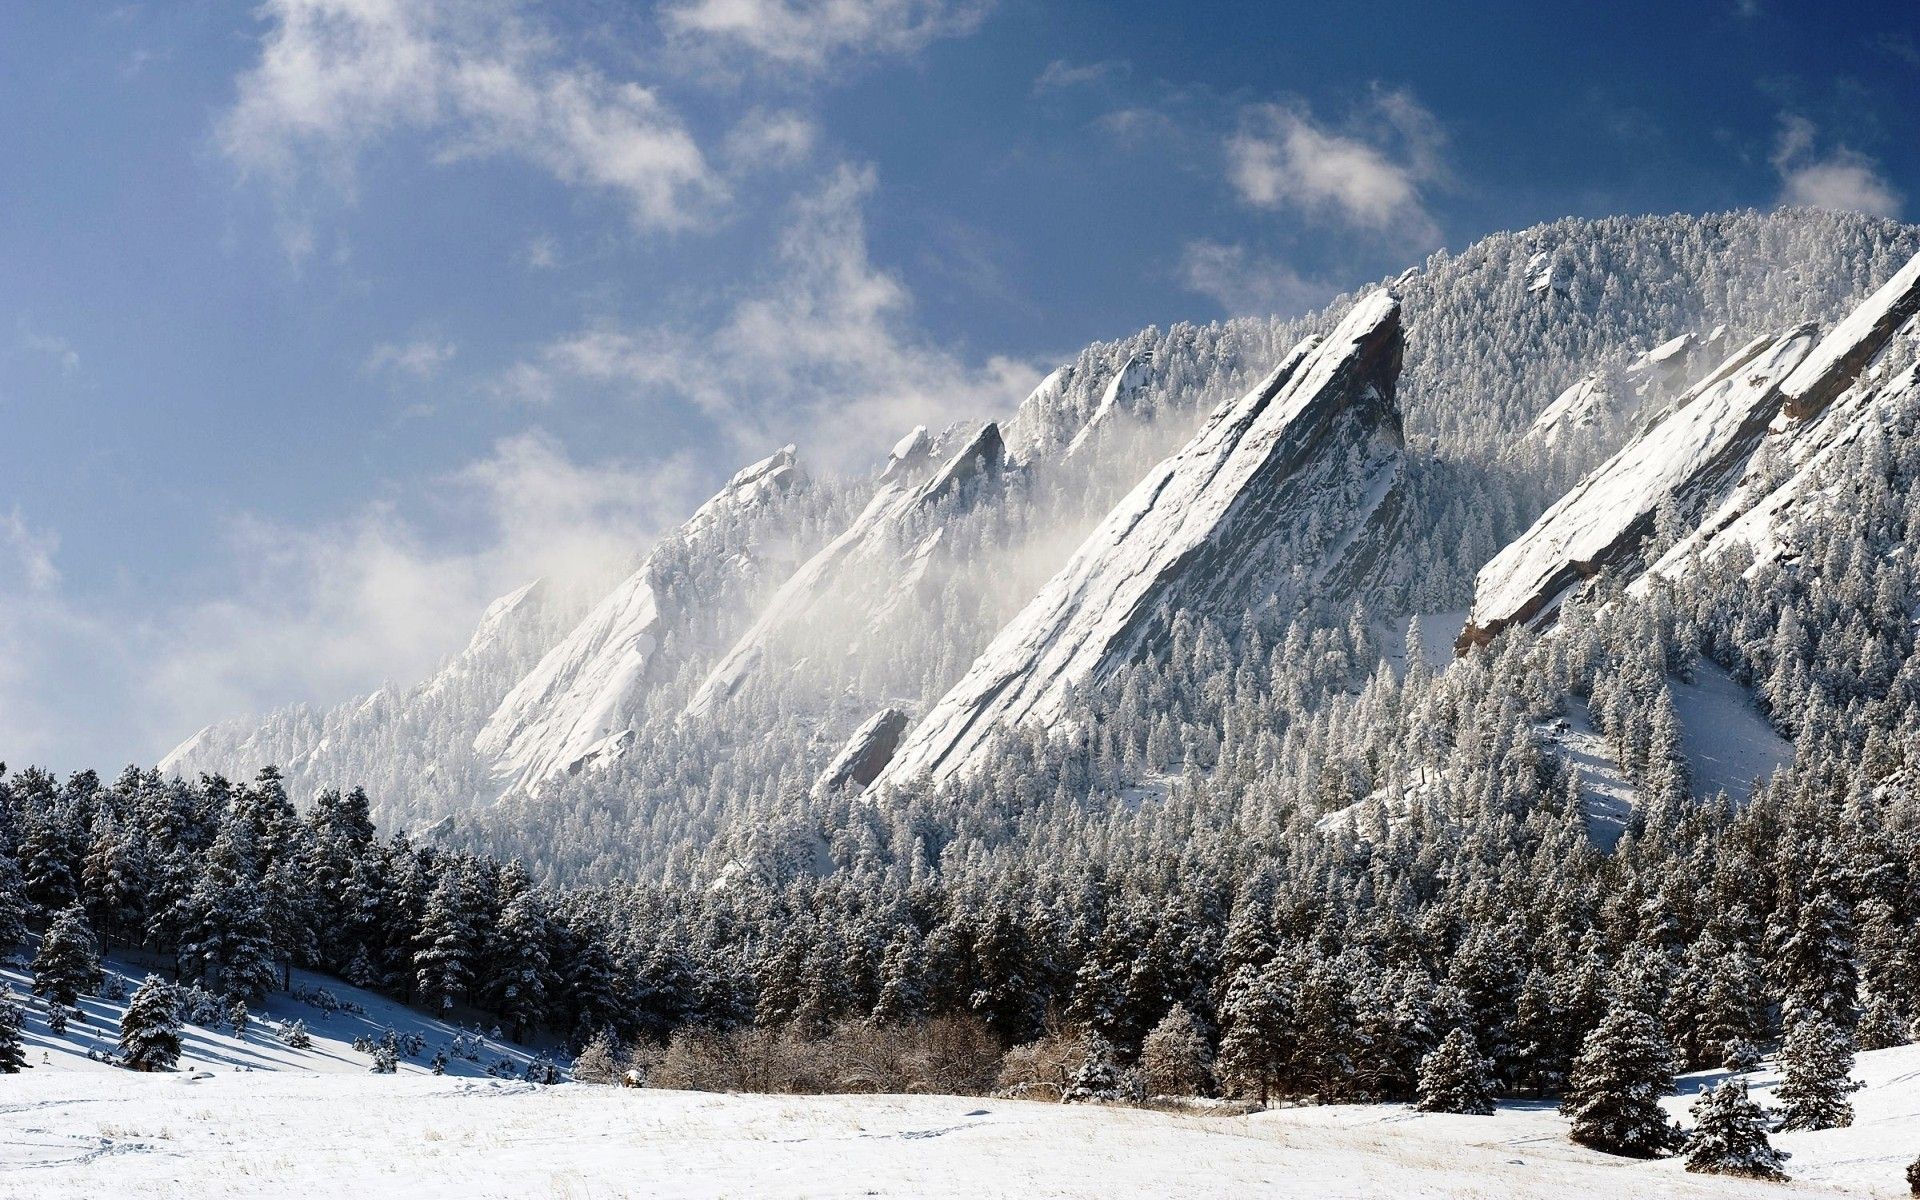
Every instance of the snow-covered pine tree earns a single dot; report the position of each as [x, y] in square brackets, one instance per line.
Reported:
[1173, 1057]
[14, 906]
[1613, 1093]
[1456, 1078]
[519, 963]
[296, 1036]
[13, 1050]
[238, 1019]
[150, 1028]
[1729, 1136]
[444, 953]
[68, 964]
[1099, 1075]
[1816, 1074]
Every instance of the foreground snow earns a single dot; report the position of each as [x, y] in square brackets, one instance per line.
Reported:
[230, 1133]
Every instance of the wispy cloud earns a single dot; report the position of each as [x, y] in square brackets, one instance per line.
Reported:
[808, 36]
[1838, 179]
[56, 349]
[1245, 283]
[1061, 74]
[335, 76]
[28, 553]
[1370, 174]
[314, 613]
[775, 138]
[823, 350]
[420, 359]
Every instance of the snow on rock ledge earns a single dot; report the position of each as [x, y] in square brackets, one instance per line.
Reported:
[1696, 456]
[866, 753]
[1315, 447]
[1606, 518]
[571, 711]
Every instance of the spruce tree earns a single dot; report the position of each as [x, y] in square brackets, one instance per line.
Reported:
[296, 1035]
[1098, 1077]
[1455, 1078]
[238, 1018]
[1729, 1136]
[1816, 1067]
[1614, 1090]
[13, 1050]
[1174, 1058]
[68, 964]
[150, 1029]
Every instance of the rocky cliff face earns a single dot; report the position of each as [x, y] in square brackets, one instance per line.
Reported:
[861, 573]
[1695, 462]
[1291, 485]
[573, 709]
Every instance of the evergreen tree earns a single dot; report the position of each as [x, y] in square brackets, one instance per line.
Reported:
[150, 1029]
[1455, 1078]
[1614, 1090]
[1729, 1136]
[68, 964]
[519, 964]
[444, 948]
[13, 1050]
[296, 1035]
[1816, 1068]
[14, 906]
[1098, 1077]
[238, 1019]
[1173, 1057]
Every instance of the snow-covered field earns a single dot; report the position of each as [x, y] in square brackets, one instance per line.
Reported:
[78, 1134]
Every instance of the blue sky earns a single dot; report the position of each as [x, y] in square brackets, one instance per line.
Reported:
[324, 321]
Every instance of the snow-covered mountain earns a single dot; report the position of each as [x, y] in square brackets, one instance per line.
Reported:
[575, 708]
[741, 661]
[1708, 468]
[1290, 489]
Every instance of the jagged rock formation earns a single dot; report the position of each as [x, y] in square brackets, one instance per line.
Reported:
[865, 559]
[866, 754]
[1121, 391]
[1315, 447]
[573, 709]
[1694, 459]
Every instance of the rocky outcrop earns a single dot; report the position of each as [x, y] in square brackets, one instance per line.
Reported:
[572, 711]
[1122, 391]
[1695, 459]
[1607, 518]
[1295, 484]
[862, 571]
[866, 754]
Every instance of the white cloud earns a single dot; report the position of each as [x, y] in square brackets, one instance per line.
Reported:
[1370, 176]
[1840, 179]
[1245, 284]
[771, 139]
[421, 359]
[48, 345]
[335, 76]
[315, 613]
[822, 351]
[1061, 74]
[28, 557]
[810, 35]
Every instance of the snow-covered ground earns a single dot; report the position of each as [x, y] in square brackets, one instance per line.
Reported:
[69, 1134]
[1728, 743]
[354, 1013]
